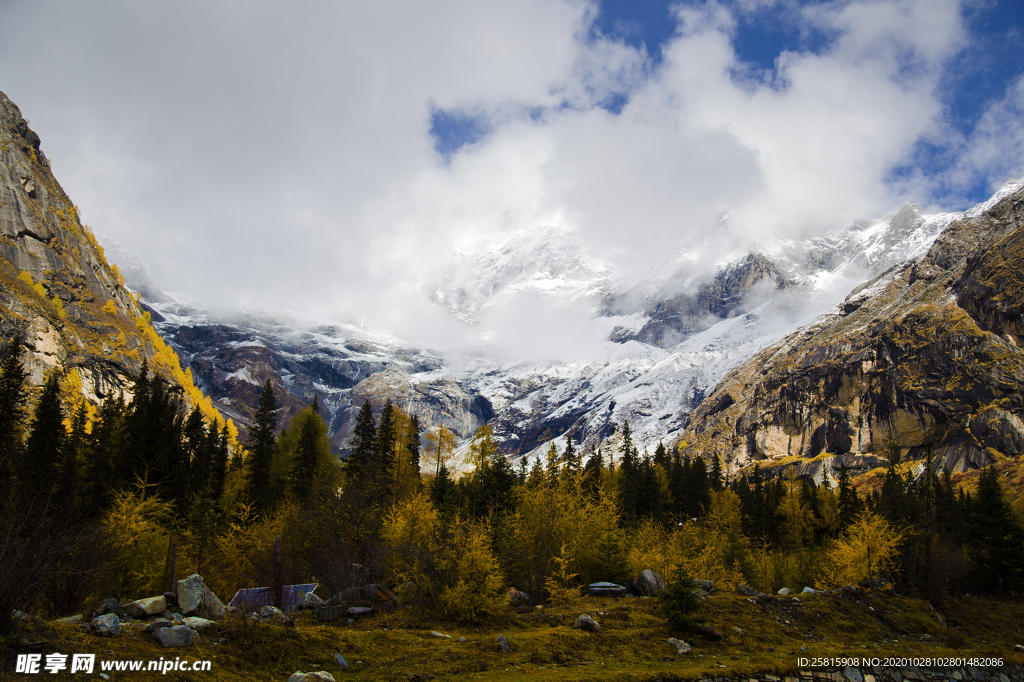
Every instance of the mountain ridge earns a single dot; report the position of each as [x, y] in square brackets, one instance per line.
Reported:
[747, 305]
[924, 358]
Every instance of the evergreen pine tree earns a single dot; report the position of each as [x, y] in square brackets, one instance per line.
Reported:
[384, 451]
[104, 446]
[44, 447]
[360, 460]
[592, 471]
[630, 468]
[74, 453]
[12, 410]
[551, 469]
[262, 446]
[307, 456]
[442, 492]
[717, 482]
[897, 501]
[197, 460]
[220, 462]
[661, 457]
[536, 477]
[611, 565]
[677, 486]
[996, 547]
[648, 493]
[570, 459]
[680, 604]
[700, 488]
[413, 448]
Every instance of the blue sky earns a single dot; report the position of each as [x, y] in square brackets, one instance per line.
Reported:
[983, 72]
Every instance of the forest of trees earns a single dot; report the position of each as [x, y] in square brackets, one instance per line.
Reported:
[120, 499]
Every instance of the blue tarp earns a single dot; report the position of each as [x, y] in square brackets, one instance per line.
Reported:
[252, 598]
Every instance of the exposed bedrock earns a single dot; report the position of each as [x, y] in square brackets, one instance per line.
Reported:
[926, 356]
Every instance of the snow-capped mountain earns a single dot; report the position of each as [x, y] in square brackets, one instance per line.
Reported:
[647, 352]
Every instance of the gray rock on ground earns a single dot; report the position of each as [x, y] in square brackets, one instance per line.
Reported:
[606, 590]
[340, 660]
[176, 636]
[71, 620]
[108, 605]
[144, 608]
[649, 582]
[318, 676]
[199, 624]
[587, 624]
[274, 616]
[196, 599]
[358, 612]
[310, 601]
[519, 598]
[158, 624]
[503, 644]
[706, 587]
[784, 591]
[106, 625]
[681, 646]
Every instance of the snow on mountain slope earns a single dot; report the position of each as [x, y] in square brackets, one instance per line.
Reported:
[608, 354]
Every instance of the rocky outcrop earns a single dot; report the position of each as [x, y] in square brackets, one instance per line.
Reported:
[196, 599]
[722, 295]
[57, 289]
[925, 356]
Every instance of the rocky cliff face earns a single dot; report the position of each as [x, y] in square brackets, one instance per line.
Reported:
[926, 356]
[58, 291]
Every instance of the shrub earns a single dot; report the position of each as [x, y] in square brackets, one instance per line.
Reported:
[680, 604]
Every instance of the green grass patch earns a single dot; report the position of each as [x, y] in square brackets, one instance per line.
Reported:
[758, 636]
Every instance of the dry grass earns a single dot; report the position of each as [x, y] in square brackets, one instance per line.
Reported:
[759, 635]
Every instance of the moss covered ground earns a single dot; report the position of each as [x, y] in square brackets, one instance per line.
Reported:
[759, 636]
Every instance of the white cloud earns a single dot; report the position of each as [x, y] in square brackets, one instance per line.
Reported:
[263, 153]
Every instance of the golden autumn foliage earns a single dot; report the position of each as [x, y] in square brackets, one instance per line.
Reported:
[559, 521]
[241, 551]
[654, 546]
[715, 548]
[452, 564]
[561, 585]
[136, 524]
[868, 549]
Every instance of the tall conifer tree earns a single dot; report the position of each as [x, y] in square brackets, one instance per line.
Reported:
[361, 457]
[996, 547]
[12, 410]
[220, 461]
[44, 447]
[630, 470]
[383, 467]
[262, 446]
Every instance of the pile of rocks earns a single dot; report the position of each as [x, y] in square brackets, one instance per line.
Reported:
[174, 618]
